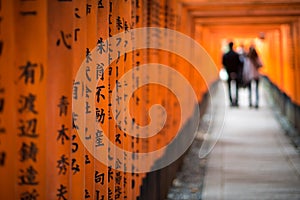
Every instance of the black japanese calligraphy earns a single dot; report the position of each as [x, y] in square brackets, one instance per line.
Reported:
[28, 72]
[87, 70]
[100, 71]
[99, 177]
[63, 106]
[1, 47]
[87, 92]
[62, 190]
[62, 134]
[119, 23]
[109, 18]
[2, 130]
[86, 194]
[99, 138]
[110, 174]
[118, 163]
[27, 103]
[76, 13]
[75, 166]
[98, 93]
[28, 128]
[118, 192]
[117, 139]
[87, 160]
[118, 178]
[98, 196]
[75, 90]
[29, 195]
[28, 152]
[87, 137]
[110, 6]
[126, 27]
[100, 115]
[100, 4]
[62, 164]
[74, 144]
[88, 55]
[74, 118]
[1, 105]
[30, 12]
[101, 46]
[87, 108]
[75, 33]
[110, 194]
[2, 158]
[110, 158]
[64, 38]
[28, 177]
[88, 8]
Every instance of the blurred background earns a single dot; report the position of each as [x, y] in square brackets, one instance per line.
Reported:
[44, 43]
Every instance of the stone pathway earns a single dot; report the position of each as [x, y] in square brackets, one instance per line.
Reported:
[253, 159]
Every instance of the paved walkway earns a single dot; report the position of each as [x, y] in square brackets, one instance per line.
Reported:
[253, 158]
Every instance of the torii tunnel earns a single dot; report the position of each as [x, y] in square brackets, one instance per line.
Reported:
[127, 99]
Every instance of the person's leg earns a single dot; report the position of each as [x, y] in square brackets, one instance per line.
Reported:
[236, 92]
[257, 92]
[229, 90]
[250, 93]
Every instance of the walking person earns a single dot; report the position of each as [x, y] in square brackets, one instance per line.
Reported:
[251, 73]
[233, 65]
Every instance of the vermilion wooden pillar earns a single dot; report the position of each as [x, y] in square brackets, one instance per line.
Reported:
[8, 101]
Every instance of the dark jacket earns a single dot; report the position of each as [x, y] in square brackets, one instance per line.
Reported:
[232, 62]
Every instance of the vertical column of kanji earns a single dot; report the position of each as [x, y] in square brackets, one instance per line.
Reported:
[184, 67]
[59, 98]
[167, 131]
[161, 91]
[102, 105]
[8, 118]
[77, 158]
[140, 99]
[173, 107]
[154, 89]
[137, 103]
[145, 96]
[30, 64]
[90, 129]
[170, 126]
[171, 23]
[133, 181]
[122, 24]
[114, 26]
[171, 15]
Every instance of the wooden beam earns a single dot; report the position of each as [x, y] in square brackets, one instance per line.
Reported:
[244, 20]
[246, 12]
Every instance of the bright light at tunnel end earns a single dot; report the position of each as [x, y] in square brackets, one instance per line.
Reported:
[118, 158]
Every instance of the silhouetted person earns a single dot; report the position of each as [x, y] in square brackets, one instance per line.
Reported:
[243, 54]
[233, 65]
[251, 73]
